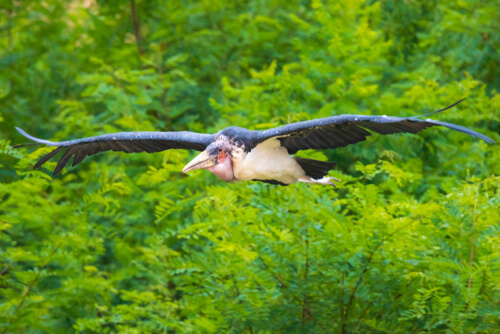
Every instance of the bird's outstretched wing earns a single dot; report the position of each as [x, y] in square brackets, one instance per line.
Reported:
[343, 130]
[129, 142]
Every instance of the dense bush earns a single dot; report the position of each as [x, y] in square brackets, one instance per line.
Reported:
[408, 243]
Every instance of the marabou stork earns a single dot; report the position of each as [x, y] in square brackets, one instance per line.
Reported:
[238, 154]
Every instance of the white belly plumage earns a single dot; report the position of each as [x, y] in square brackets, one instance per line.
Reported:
[267, 161]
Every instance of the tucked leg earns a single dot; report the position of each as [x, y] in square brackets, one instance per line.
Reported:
[324, 180]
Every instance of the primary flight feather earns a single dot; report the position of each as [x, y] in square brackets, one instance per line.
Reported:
[239, 154]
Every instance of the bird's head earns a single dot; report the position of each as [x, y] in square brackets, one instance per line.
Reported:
[216, 158]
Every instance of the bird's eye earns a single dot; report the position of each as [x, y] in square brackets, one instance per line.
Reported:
[220, 149]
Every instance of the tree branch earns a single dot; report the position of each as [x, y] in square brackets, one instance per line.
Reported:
[471, 262]
[365, 269]
[305, 279]
[9, 28]
[30, 286]
[137, 31]
[342, 313]
[283, 285]
[239, 301]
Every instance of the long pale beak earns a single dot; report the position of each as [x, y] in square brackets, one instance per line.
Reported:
[203, 160]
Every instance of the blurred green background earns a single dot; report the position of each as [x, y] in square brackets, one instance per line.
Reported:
[408, 243]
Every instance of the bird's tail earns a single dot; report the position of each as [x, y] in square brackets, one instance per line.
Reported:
[314, 168]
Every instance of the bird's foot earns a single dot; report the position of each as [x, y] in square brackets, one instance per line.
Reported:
[324, 180]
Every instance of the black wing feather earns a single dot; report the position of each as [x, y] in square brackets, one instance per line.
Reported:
[343, 130]
[45, 158]
[128, 142]
[65, 159]
[80, 154]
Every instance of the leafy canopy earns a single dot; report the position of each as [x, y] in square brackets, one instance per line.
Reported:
[409, 242]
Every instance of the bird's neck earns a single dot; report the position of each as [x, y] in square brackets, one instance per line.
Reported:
[224, 170]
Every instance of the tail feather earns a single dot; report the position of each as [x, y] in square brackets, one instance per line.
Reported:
[314, 168]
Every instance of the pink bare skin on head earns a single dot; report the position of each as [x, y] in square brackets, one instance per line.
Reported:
[224, 169]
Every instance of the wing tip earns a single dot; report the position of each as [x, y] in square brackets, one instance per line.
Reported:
[460, 128]
[24, 133]
[454, 126]
[482, 137]
[36, 140]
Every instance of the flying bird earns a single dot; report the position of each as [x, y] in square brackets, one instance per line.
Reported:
[239, 154]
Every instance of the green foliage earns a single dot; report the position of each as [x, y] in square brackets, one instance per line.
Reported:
[408, 243]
